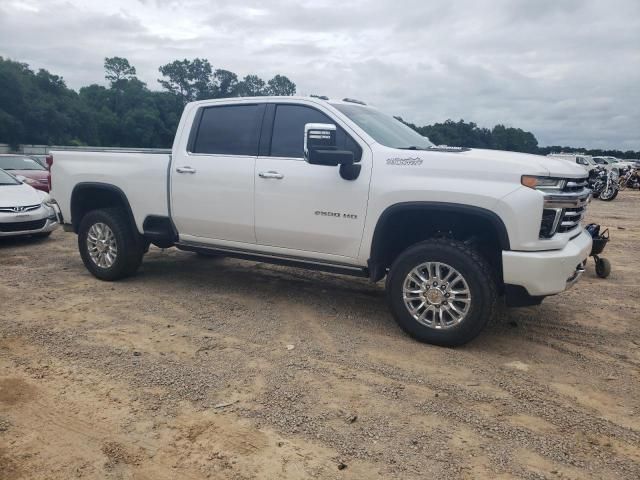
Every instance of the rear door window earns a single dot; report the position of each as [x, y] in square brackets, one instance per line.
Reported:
[229, 130]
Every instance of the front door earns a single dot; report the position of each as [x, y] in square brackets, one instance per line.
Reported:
[212, 185]
[303, 207]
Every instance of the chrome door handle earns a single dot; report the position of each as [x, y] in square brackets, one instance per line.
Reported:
[271, 174]
[185, 169]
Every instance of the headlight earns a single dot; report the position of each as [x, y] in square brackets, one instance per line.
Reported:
[543, 183]
[50, 204]
[30, 181]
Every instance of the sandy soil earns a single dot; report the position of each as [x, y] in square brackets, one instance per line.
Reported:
[224, 369]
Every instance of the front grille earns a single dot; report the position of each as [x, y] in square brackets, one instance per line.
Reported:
[575, 185]
[571, 218]
[549, 223]
[22, 226]
[563, 210]
[19, 209]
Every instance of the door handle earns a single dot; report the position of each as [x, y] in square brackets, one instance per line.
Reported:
[185, 169]
[271, 174]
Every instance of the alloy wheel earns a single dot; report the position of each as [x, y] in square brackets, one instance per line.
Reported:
[102, 246]
[436, 295]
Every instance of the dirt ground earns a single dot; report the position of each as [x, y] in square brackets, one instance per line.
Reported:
[225, 369]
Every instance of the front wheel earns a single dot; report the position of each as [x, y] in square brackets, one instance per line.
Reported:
[109, 246]
[441, 292]
[609, 194]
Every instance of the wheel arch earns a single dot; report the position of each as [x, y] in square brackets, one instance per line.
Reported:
[87, 196]
[465, 220]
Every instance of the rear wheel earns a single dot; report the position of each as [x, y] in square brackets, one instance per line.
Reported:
[442, 292]
[108, 244]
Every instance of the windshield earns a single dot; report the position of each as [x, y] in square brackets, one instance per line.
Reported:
[383, 128]
[6, 179]
[600, 161]
[19, 163]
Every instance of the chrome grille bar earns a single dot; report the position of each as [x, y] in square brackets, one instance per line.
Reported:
[19, 209]
[568, 205]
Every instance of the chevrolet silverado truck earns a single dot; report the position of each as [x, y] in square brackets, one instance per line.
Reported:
[337, 186]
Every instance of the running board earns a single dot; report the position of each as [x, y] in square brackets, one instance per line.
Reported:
[296, 262]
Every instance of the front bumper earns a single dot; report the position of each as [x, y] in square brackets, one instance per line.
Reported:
[43, 220]
[547, 272]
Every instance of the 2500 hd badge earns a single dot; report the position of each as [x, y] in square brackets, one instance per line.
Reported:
[351, 216]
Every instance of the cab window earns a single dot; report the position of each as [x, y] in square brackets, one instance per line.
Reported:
[288, 132]
[229, 130]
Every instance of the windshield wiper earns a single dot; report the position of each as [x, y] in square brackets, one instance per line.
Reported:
[412, 147]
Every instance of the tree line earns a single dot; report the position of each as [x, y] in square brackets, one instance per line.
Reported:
[39, 108]
[501, 137]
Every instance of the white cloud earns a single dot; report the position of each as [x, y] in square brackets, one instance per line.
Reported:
[568, 70]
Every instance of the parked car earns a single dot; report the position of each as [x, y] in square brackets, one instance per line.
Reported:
[342, 187]
[35, 174]
[24, 210]
[635, 162]
[41, 159]
[608, 164]
[615, 162]
[585, 161]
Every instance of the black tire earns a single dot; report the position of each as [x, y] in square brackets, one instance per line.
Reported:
[470, 264]
[603, 267]
[607, 198]
[129, 244]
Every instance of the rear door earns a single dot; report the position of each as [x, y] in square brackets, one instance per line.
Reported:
[212, 185]
[308, 207]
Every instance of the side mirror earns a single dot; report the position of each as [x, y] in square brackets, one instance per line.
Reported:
[320, 146]
[21, 179]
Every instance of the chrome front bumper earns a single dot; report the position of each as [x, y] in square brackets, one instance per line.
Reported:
[573, 279]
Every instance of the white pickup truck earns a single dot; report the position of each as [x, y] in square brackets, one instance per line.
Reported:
[342, 187]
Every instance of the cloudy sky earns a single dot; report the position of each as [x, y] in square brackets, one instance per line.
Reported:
[567, 70]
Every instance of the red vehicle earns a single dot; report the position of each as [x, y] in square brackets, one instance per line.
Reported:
[37, 176]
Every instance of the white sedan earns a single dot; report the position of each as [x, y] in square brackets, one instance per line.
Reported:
[25, 210]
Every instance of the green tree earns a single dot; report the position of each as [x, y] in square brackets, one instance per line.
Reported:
[189, 79]
[281, 85]
[252, 86]
[117, 69]
[513, 139]
[226, 83]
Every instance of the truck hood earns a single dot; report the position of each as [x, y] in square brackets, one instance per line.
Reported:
[20, 196]
[524, 163]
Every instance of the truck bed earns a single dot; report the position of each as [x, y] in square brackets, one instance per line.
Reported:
[140, 174]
